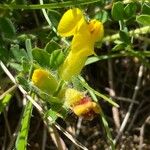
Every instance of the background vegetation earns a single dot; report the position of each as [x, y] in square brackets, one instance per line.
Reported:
[119, 73]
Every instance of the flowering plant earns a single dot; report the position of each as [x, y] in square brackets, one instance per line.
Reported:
[85, 34]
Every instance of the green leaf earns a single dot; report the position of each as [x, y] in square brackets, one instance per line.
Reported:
[130, 10]
[59, 111]
[16, 66]
[42, 57]
[120, 46]
[102, 16]
[77, 84]
[7, 27]
[56, 59]
[29, 48]
[4, 55]
[124, 36]
[21, 141]
[51, 46]
[26, 65]
[94, 59]
[4, 101]
[24, 82]
[54, 17]
[52, 114]
[108, 131]
[104, 97]
[143, 19]
[21, 2]
[118, 11]
[18, 54]
[146, 9]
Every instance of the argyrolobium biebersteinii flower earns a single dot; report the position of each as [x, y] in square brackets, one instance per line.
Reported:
[77, 101]
[85, 34]
[81, 104]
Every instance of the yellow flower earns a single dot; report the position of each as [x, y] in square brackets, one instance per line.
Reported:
[72, 66]
[44, 81]
[80, 104]
[85, 34]
[87, 110]
[72, 96]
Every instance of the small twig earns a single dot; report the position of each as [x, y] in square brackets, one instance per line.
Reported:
[141, 136]
[77, 132]
[44, 139]
[135, 115]
[76, 142]
[134, 33]
[7, 125]
[47, 18]
[57, 139]
[4, 140]
[50, 23]
[144, 109]
[8, 91]
[11, 144]
[124, 123]
[112, 93]
[125, 99]
[137, 1]
[53, 132]
[142, 133]
[79, 123]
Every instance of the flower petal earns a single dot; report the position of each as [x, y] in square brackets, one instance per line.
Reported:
[72, 65]
[44, 81]
[96, 29]
[81, 110]
[73, 96]
[69, 21]
[82, 42]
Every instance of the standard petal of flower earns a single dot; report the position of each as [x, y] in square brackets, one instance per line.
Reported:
[44, 81]
[69, 21]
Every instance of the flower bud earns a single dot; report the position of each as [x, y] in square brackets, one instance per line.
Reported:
[44, 81]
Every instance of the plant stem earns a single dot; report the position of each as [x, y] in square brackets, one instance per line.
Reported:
[112, 93]
[48, 6]
[134, 33]
[8, 91]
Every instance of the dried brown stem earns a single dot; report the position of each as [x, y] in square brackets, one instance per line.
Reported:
[115, 110]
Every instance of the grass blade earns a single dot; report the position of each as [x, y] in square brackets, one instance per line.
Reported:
[21, 141]
[109, 100]
[4, 102]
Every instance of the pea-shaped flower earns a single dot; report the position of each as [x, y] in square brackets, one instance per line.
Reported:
[81, 104]
[85, 34]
